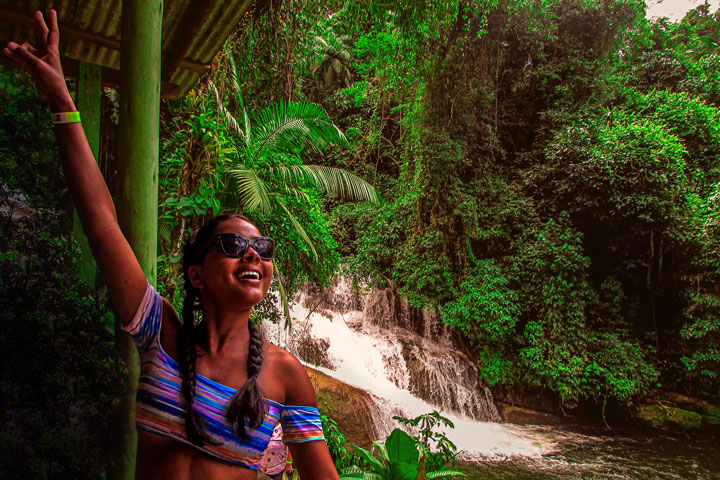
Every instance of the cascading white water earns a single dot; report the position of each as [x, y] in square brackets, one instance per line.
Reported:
[407, 375]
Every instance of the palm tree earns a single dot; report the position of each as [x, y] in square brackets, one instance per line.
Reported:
[333, 57]
[266, 169]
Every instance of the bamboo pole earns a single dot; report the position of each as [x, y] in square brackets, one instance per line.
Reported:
[89, 90]
[137, 187]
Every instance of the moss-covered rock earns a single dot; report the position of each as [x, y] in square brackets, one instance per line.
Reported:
[663, 416]
[711, 415]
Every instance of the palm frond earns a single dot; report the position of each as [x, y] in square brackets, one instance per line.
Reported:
[297, 194]
[229, 118]
[237, 91]
[284, 125]
[444, 473]
[350, 470]
[355, 472]
[300, 230]
[283, 298]
[246, 119]
[334, 181]
[252, 191]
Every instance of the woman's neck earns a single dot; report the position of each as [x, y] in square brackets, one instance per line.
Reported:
[224, 328]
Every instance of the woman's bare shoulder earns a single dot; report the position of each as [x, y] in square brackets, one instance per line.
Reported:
[289, 375]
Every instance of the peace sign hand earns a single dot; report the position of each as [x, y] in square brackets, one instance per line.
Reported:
[43, 64]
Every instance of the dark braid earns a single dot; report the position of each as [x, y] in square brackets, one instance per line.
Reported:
[247, 404]
[194, 427]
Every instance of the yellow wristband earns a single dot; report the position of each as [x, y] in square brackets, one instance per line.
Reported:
[65, 117]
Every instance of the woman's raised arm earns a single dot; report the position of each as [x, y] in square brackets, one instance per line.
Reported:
[116, 260]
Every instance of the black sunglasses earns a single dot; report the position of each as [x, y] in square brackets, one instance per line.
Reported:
[235, 245]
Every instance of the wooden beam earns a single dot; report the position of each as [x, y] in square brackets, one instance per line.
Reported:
[67, 31]
[111, 78]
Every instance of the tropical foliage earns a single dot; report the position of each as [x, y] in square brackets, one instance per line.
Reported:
[61, 376]
[398, 458]
[550, 176]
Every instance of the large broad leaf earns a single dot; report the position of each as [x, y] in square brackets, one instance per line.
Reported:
[401, 448]
[403, 471]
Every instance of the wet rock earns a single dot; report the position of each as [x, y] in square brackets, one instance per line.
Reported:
[447, 379]
[664, 416]
[710, 413]
[526, 416]
[385, 308]
[312, 350]
[349, 406]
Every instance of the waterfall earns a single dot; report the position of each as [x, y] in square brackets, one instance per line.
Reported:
[405, 359]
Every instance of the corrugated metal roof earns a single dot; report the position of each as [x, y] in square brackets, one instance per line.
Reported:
[90, 32]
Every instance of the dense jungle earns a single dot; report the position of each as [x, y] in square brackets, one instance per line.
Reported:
[542, 174]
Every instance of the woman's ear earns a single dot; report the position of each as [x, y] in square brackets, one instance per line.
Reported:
[195, 275]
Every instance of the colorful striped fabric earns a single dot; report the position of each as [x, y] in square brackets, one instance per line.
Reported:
[161, 407]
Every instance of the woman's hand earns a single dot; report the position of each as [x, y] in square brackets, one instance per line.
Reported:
[43, 64]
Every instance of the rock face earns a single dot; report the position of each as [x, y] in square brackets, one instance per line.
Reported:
[662, 416]
[711, 415]
[350, 407]
[526, 416]
[417, 353]
[385, 309]
[675, 410]
[444, 377]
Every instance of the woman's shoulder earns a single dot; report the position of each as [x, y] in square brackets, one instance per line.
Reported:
[289, 375]
[281, 362]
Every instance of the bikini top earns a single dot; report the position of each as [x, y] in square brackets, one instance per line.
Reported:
[161, 407]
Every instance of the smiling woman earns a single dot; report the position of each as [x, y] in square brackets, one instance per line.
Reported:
[207, 401]
[211, 389]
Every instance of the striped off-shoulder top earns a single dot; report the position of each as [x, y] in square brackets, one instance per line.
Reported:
[161, 406]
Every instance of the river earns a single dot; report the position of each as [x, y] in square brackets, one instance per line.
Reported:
[624, 454]
[409, 374]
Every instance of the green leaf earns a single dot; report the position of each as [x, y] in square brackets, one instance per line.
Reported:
[335, 181]
[401, 448]
[252, 191]
[300, 230]
[283, 298]
[403, 471]
[376, 465]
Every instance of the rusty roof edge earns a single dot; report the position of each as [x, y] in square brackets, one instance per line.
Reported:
[96, 39]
